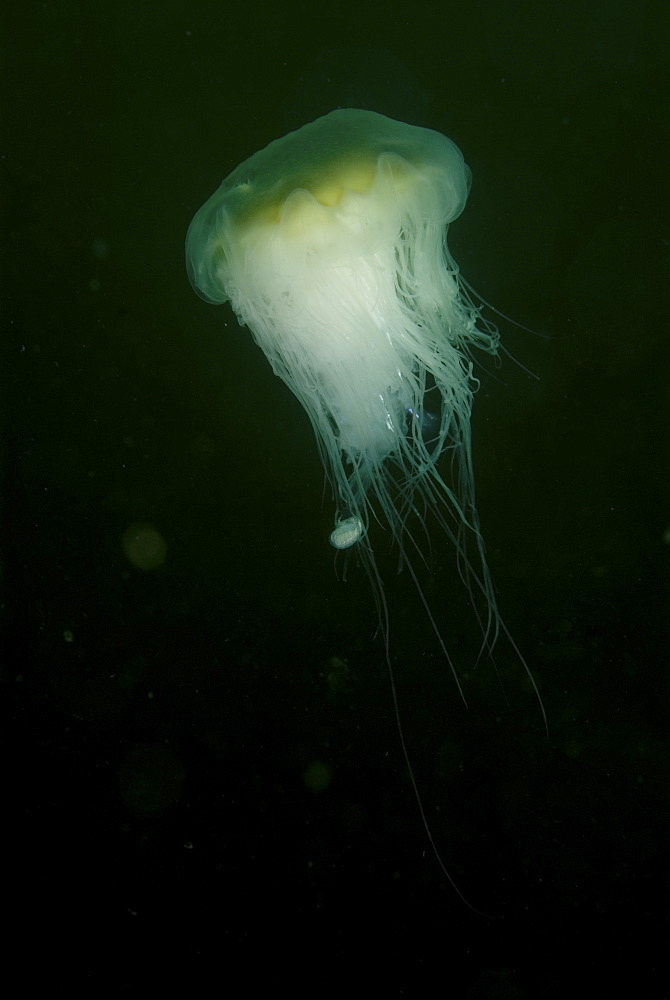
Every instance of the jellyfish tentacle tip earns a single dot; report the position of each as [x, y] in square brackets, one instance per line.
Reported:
[347, 532]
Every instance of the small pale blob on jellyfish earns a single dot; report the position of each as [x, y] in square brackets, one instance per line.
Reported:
[330, 245]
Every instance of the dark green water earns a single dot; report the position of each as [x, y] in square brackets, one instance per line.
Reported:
[202, 767]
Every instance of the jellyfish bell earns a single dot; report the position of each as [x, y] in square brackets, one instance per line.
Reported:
[331, 246]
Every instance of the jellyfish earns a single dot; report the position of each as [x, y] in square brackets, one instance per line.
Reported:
[331, 246]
